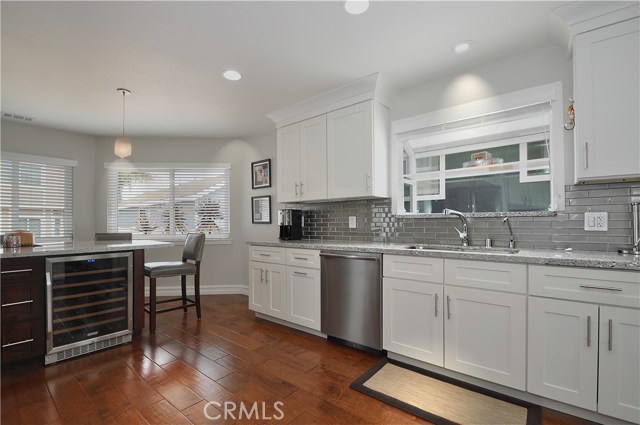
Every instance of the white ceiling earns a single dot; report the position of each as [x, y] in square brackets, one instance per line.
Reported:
[62, 61]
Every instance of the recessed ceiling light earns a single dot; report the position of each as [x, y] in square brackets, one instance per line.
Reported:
[461, 47]
[356, 7]
[231, 75]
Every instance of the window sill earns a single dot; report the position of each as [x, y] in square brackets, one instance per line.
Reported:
[485, 214]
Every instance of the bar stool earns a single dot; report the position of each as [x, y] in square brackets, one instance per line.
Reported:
[190, 265]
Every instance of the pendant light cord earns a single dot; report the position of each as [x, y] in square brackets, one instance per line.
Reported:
[123, 95]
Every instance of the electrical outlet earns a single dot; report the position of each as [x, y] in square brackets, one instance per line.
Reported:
[596, 221]
[352, 222]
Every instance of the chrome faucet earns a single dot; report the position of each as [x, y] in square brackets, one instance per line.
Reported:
[465, 226]
[512, 242]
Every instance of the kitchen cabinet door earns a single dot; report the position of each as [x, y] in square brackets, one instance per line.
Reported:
[563, 351]
[288, 160]
[357, 138]
[313, 159]
[619, 372]
[303, 297]
[412, 319]
[485, 335]
[267, 289]
[607, 98]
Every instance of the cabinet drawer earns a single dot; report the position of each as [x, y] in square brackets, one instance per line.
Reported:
[22, 301]
[20, 270]
[303, 258]
[591, 285]
[506, 277]
[267, 254]
[424, 269]
[22, 340]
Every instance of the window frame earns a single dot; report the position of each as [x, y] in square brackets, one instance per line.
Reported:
[551, 93]
[171, 168]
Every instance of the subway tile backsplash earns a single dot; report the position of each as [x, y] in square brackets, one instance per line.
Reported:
[329, 221]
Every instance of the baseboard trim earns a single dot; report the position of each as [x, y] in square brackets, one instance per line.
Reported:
[174, 291]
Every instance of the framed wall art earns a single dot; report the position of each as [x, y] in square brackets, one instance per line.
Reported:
[261, 174]
[261, 209]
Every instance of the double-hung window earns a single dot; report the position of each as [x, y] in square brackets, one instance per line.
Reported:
[166, 201]
[36, 194]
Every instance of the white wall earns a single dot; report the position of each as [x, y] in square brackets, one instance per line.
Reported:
[224, 266]
[528, 69]
[32, 140]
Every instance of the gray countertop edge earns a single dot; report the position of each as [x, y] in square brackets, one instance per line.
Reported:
[588, 259]
[81, 247]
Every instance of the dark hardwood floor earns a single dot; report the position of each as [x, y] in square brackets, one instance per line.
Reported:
[227, 357]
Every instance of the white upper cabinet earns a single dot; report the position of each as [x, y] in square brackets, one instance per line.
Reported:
[357, 146]
[607, 98]
[335, 145]
[302, 161]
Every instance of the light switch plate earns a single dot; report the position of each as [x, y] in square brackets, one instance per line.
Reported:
[596, 221]
[352, 222]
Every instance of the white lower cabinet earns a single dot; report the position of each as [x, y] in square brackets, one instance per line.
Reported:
[267, 289]
[485, 335]
[563, 351]
[285, 283]
[412, 319]
[582, 352]
[478, 332]
[303, 297]
[619, 371]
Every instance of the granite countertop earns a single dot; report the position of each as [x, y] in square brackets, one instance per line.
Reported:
[80, 247]
[591, 259]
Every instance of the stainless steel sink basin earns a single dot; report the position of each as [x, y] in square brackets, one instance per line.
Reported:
[469, 249]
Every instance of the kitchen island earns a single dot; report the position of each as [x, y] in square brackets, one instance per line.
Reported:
[23, 290]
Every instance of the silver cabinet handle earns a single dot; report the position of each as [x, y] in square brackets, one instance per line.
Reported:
[261, 275]
[301, 184]
[301, 258]
[436, 302]
[604, 288]
[588, 331]
[17, 303]
[300, 273]
[368, 181]
[264, 255]
[296, 188]
[448, 307]
[266, 276]
[586, 155]
[610, 335]
[16, 271]
[18, 343]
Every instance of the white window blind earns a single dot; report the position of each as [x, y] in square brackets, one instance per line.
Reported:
[169, 201]
[36, 194]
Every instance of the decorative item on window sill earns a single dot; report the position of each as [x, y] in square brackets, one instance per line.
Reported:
[480, 159]
[572, 116]
[122, 147]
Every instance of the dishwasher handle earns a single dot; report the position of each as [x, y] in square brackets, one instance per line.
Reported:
[350, 257]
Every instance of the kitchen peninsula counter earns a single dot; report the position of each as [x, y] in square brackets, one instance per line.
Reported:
[588, 259]
[80, 247]
[34, 257]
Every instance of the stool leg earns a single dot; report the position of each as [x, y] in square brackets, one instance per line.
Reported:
[183, 281]
[152, 305]
[196, 284]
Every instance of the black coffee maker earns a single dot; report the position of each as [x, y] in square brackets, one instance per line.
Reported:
[290, 222]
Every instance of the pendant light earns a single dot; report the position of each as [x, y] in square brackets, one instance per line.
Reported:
[122, 148]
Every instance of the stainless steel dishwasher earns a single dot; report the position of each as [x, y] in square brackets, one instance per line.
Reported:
[351, 294]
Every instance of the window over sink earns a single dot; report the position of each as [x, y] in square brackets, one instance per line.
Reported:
[502, 155]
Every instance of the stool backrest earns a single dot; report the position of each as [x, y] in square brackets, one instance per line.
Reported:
[193, 247]
[113, 237]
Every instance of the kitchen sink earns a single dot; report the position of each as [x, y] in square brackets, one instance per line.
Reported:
[469, 249]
